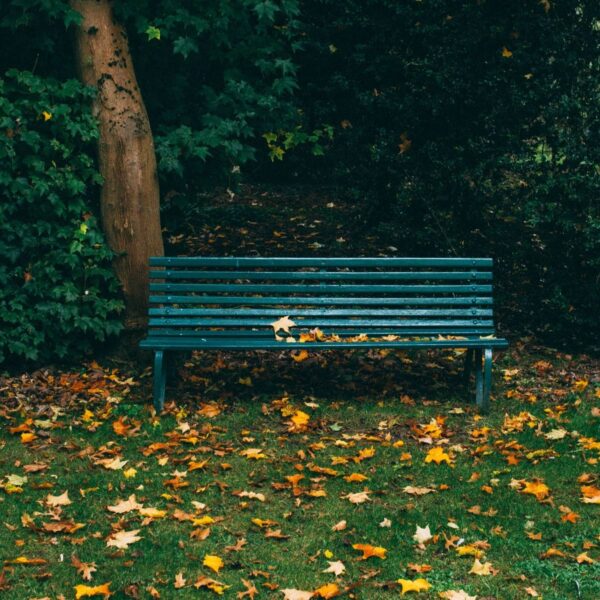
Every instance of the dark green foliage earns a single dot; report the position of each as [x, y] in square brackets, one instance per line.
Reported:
[215, 77]
[58, 294]
[470, 128]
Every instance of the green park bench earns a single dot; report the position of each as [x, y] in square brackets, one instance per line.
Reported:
[231, 303]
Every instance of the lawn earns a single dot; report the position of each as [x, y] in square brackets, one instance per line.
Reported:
[358, 474]
[281, 469]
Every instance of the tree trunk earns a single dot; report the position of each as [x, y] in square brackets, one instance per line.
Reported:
[129, 199]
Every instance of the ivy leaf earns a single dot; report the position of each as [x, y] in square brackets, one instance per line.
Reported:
[153, 33]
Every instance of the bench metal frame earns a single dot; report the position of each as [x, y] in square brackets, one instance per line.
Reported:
[229, 303]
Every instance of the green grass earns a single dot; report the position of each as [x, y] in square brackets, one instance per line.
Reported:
[355, 401]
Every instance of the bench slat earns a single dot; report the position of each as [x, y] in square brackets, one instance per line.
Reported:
[249, 344]
[321, 312]
[324, 275]
[346, 332]
[329, 301]
[233, 261]
[319, 289]
[322, 322]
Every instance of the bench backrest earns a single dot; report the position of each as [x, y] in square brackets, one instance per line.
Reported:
[243, 296]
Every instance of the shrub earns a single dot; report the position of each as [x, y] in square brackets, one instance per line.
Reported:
[58, 294]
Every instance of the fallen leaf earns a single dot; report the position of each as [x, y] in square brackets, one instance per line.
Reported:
[417, 491]
[537, 488]
[122, 539]
[369, 551]
[83, 591]
[61, 500]
[339, 526]
[292, 594]
[437, 455]
[211, 584]
[125, 506]
[358, 497]
[329, 590]
[456, 595]
[422, 535]
[213, 562]
[418, 585]
[179, 581]
[337, 567]
[84, 569]
[479, 568]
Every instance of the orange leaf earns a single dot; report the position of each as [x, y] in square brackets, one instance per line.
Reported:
[82, 591]
[369, 551]
[329, 590]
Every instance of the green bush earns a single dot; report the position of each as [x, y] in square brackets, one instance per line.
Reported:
[58, 294]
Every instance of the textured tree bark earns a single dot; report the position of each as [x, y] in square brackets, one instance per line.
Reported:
[129, 199]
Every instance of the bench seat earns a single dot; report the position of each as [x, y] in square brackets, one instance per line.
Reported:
[233, 303]
[228, 343]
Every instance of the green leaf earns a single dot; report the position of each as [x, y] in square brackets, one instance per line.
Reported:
[153, 33]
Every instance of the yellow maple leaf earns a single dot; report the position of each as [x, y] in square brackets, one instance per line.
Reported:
[506, 53]
[330, 590]
[536, 488]
[437, 455]
[364, 453]
[46, 115]
[580, 385]
[418, 585]
[369, 551]
[469, 550]
[129, 473]
[213, 562]
[82, 591]
[299, 421]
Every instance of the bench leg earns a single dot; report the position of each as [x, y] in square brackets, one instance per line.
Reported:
[478, 378]
[487, 380]
[160, 372]
[468, 365]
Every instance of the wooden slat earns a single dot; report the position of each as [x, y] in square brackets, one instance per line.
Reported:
[253, 344]
[321, 322]
[321, 312]
[235, 262]
[328, 301]
[319, 289]
[325, 275]
[268, 333]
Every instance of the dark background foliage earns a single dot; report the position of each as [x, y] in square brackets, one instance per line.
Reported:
[452, 127]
